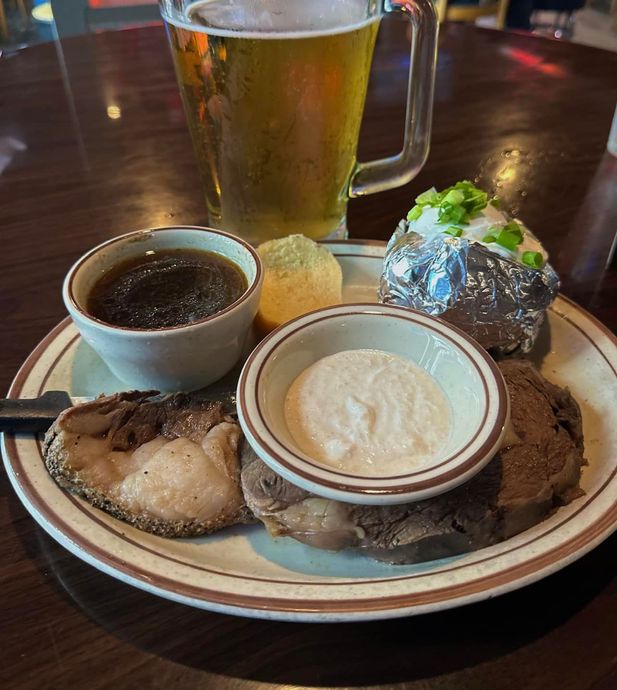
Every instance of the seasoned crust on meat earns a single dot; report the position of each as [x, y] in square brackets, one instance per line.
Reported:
[120, 424]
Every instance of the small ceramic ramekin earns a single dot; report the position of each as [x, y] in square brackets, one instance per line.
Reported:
[470, 379]
[179, 358]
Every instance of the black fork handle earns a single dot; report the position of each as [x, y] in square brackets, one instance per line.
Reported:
[32, 415]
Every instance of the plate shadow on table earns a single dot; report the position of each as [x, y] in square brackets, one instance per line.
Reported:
[334, 655]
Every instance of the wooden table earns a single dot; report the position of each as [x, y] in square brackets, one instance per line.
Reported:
[92, 144]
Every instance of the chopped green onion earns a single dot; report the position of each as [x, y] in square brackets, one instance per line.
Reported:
[509, 236]
[457, 204]
[454, 231]
[507, 241]
[415, 213]
[476, 198]
[452, 214]
[533, 259]
[454, 197]
[514, 227]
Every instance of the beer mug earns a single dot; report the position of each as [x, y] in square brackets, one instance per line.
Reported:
[274, 93]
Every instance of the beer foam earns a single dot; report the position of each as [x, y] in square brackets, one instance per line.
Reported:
[274, 18]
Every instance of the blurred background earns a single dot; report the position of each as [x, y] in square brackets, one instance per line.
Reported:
[591, 22]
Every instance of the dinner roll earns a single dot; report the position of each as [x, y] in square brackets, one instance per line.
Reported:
[300, 276]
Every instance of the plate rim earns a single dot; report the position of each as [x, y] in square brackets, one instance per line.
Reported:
[328, 610]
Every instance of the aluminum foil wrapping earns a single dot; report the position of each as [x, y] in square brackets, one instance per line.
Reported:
[499, 302]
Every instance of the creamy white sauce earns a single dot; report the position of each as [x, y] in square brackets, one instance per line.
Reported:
[427, 225]
[367, 412]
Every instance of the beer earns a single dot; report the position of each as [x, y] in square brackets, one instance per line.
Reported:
[274, 94]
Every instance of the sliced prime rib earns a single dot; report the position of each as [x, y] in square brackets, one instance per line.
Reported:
[528, 479]
[168, 465]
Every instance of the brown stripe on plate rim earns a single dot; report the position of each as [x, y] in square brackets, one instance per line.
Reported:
[33, 358]
[359, 605]
[58, 357]
[552, 529]
[81, 505]
[585, 538]
[597, 323]
[162, 554]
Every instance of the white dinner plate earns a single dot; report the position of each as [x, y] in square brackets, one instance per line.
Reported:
[244, 571]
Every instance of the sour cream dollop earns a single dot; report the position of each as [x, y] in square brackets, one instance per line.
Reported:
[368, 413]
[478, 227]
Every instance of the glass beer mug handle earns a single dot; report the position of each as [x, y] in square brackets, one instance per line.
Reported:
[386, 173]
